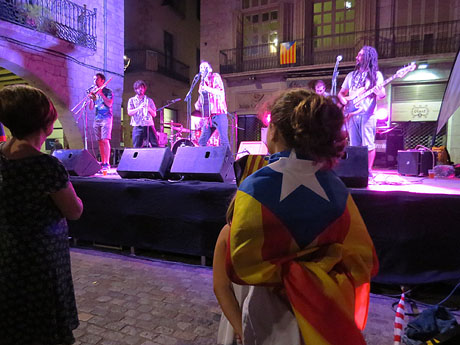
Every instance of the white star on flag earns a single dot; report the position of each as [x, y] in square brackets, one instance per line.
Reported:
[297, 172]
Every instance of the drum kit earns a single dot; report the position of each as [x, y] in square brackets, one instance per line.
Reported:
[177, 140]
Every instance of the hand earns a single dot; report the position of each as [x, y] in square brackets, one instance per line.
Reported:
[380, 91]
[92, 95]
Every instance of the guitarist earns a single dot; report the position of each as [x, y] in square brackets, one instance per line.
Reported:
[361, 123]
[212, 105]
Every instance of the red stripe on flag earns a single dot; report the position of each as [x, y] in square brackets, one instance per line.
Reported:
[277, 238]
[319, 310]
[337, 231]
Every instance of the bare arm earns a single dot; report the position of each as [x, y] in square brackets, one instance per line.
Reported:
[131, 110]
[108, 101]
[379, 90]
[222, 284]
[341, 96]
[67, 201]
[152, 108]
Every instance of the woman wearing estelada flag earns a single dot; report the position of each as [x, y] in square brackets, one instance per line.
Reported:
[297, 235]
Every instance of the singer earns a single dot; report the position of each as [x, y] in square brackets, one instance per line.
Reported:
[212, 105]
[102, 101]
[142, 110]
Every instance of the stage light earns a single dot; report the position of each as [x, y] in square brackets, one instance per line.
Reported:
[381, 113]
[422, 66]
[266, 117]
[421, 75]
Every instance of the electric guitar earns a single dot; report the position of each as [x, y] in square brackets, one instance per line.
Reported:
[355, 97]
[205, 106]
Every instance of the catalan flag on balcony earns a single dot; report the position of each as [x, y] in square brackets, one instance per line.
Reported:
[287, 52]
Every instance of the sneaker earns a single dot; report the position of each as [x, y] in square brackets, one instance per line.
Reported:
[105, 166]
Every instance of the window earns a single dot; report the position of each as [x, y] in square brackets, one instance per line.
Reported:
[261, 29]
[333, 18]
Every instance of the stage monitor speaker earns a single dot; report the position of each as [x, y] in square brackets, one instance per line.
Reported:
[206, 163]
[78, 162]
[415, 162]
[151, 163]
[251, 148]
[352, 168]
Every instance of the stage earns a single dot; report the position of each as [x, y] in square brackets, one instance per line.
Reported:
[413, 221]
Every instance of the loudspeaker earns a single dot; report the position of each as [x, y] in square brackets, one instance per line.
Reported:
[352, 168]
[415, 162]
[251, 148]
[145, 163]
[78, 162]
[207, 163]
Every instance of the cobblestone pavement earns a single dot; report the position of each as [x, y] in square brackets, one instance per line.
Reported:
[131, 301]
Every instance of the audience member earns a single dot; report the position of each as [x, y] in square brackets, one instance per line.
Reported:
[297, 235]
[37, 302]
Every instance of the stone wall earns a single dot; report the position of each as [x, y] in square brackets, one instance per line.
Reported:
[64, 70]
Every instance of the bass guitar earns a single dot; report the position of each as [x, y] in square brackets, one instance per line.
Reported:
[355, 97]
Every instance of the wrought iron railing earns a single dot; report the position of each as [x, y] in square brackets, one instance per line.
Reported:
[434, 38]
[60, 18]
[150, 60]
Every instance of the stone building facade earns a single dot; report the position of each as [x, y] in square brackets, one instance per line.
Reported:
[65, 70]
[242, 37]
[162, 43]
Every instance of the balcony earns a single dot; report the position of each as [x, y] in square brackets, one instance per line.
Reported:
[60, 18]
[150, 60]
[414, 40]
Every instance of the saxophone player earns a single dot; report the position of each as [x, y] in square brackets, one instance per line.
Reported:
[142, 110]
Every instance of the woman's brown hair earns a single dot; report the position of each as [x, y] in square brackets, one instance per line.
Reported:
[310, 124]
[25, 110]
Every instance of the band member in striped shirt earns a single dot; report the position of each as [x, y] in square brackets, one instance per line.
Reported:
[211, 103]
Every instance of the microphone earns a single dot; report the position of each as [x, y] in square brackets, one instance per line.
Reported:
[339, 58]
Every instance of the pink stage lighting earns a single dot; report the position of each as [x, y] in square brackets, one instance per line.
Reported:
[266, 117]
[382, 114]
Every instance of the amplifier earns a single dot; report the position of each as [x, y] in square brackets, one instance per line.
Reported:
[415, 162]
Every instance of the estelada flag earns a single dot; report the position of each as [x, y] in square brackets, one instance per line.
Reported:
[296, 227]
[2, 133]
[288, 52]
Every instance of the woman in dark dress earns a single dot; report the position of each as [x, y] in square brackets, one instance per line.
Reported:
[37, 301]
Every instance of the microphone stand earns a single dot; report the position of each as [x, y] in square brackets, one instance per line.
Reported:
[79, 109]
[335, 74]
[188, 99]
